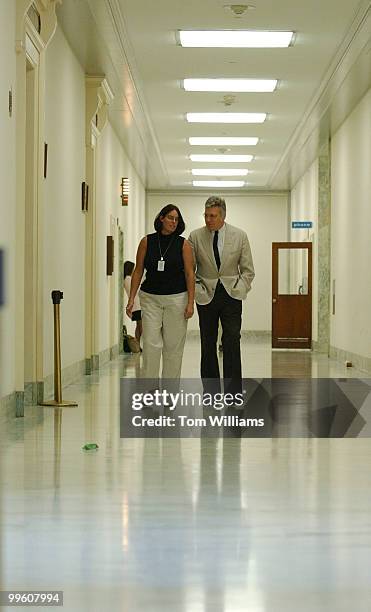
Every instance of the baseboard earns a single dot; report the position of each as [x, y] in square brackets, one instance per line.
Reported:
[258, 334]
[88, 366]
[12, 406]
[35, 392]
[7, 407]
[265, 334]
[99, 360]
[69, 375]
[78, 370]
[114, 351]
[359, 361]
[320, 347]
[94, 362]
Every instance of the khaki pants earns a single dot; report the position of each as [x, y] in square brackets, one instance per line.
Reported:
[164, 331]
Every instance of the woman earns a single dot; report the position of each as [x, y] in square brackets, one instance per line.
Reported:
[136, 314]
[166, 295]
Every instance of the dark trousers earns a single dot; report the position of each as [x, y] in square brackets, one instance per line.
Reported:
[228, 310]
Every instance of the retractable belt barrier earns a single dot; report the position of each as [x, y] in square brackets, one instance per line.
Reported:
[57, 296]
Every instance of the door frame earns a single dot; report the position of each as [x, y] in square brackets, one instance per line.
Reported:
[120, 280]
[288, 342]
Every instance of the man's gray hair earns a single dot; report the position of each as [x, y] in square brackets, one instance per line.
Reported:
[216, 201]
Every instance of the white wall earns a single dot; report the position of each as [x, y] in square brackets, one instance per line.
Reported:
[304, 207]
[7, 200]
[64, 223]
[112, 165]
[263, 217]
[350, 235]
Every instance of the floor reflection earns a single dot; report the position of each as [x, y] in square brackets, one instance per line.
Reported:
[188, 525]
[291, 364]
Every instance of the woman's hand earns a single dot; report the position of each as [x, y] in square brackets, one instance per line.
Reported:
[136, 276]
[190, 277]
[188, 313]
[129, 309]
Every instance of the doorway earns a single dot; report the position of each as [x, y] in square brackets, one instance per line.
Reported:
[121, 288]
[292, 295]
[32, 348]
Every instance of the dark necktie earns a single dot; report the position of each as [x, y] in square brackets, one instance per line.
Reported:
[215, 249]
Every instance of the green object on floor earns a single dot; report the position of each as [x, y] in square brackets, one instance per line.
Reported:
[90, 446]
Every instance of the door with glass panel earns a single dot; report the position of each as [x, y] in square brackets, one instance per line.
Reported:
[292, 295]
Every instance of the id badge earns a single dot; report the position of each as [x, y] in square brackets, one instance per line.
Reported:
[161, 265]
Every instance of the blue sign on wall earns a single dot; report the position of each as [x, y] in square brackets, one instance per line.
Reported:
[301, 224]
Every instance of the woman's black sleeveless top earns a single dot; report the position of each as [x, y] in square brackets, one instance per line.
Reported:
[172, 279]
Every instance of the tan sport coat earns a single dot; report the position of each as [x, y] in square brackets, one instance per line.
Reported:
[236, 267]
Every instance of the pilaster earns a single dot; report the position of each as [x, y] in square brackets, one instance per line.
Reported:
[324, 246]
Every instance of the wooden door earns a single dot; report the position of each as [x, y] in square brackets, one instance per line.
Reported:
[292, 295]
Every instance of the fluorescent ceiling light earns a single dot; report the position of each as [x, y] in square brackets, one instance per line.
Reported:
[219, 171]
[226, 117]
[221, 158]
[250, 85]
[234, 38]
[218, 183]
[232, 141]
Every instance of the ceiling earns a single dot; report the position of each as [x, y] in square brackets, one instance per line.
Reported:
[321, 76]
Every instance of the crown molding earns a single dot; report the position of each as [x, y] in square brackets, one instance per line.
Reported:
[48, 18]
[108, 14]
[313, 127]
[99, 96]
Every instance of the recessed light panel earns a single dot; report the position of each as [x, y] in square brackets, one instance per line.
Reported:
[219, 171]
[229, 141]
[226, 117]
[234, 38]
[249, 85]
[218, 183]
[221, 158]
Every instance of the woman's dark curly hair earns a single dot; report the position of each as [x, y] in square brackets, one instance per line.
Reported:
[165, 211]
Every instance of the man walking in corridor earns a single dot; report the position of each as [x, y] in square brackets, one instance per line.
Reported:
[224, 273]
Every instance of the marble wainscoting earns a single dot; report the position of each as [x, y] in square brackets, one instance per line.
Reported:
[11, 406]
[359, 361]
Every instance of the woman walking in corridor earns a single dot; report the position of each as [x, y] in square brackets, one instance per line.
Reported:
[166, 295]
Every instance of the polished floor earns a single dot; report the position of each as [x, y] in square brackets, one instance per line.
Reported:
[185, 525]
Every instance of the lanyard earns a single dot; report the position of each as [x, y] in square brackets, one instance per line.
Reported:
[162, 255]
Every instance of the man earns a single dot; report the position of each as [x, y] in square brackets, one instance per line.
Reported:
[224, 272]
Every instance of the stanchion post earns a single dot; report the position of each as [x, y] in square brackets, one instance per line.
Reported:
[57, 296]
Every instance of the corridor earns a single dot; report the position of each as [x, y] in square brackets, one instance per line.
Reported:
[241, 134]
[191, 525]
